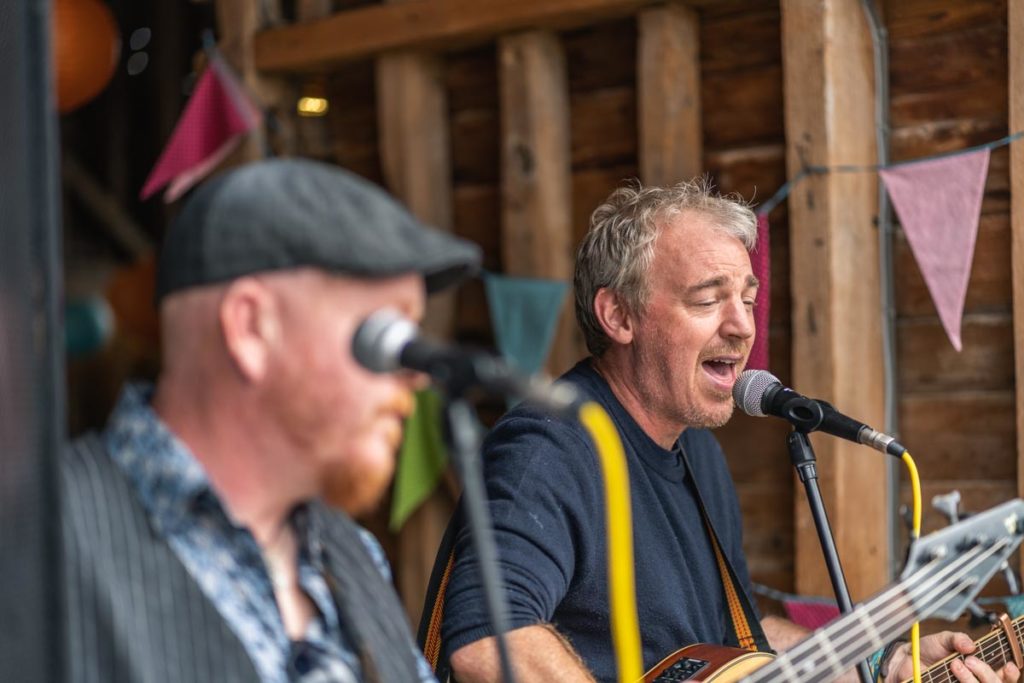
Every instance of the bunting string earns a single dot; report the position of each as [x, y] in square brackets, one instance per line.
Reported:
[787, 187]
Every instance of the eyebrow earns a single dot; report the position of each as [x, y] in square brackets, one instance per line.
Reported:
[720, 281]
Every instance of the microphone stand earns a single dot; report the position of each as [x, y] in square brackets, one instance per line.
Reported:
[465, 438]
[802, 455]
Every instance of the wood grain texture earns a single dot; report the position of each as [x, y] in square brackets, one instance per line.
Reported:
[829, 120]
[1015, 88]
[536, 174]
[668, 95]
[420, 24]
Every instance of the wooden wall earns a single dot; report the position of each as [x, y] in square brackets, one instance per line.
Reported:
[948, 70]
[744, 152]
[957, 410]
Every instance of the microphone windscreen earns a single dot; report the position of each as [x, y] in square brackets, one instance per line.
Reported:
[380, 339]
[750, 389]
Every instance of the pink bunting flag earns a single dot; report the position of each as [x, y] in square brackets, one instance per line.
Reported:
[939, 203]
[809, 614]
[216, 117]
[760, 261]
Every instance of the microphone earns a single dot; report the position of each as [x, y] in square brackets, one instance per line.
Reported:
[759, 393]
[388, 341]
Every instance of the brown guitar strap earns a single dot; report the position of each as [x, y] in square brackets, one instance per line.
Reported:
[741, 611]
[740, 625]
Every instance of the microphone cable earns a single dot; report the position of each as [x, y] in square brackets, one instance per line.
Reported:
[915, 533]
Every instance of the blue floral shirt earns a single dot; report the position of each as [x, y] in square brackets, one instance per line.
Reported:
[225, 560]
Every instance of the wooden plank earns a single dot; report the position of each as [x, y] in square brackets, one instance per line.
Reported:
[421, 24]
[604, 127]
[1015, 87]
[536, 181]
[927, 362]
[412, 111]
[668, 95]
[238, 22]
[352, 119]
[916, 18]
[933, 63]
[827, 61]
[601, 55]
[744, 108]
[740, 41]
[968, 435]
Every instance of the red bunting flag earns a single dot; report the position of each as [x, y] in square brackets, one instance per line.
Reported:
[216, 117]
[810, 614]
[760, 261]
[938, 202]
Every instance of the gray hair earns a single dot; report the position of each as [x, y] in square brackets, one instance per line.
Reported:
[618, 250]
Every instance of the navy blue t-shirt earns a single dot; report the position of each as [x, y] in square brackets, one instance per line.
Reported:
[546, 500]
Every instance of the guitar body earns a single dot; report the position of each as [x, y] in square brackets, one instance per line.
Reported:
[703, 662]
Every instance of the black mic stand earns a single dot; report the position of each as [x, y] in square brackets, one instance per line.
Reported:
[802, 455]
[464, 436]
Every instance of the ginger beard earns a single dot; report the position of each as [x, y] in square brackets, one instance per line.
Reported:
[343, 422]
[361, 477]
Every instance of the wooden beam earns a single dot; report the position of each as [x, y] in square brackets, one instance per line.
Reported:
[536, 178]
[412, 117]
[238, 22]
[668, 97]
[1015, 30]
[418, 24]
[828, 81]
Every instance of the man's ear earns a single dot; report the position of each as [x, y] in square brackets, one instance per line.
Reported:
[614, 316]
[249, 325]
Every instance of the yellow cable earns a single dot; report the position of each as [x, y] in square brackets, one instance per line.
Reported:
[619, 520]
[915, 630]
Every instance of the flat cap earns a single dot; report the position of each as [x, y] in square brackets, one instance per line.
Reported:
[289, 213]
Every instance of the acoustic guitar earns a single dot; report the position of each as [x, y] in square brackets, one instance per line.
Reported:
[944, 572]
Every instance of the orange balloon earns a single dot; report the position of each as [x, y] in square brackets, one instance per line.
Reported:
[87, 46]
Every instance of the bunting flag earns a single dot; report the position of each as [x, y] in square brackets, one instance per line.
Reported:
[524, 313]
[1014, 605]
[216, 117]
[760, 261]
[938, 202]
[810, 614]
[421, 459]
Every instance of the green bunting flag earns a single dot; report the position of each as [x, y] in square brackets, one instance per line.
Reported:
[421, 459]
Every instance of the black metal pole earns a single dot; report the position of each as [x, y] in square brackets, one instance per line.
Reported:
[464, 434]
[802, 455]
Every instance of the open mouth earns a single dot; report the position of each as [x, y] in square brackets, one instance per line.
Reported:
[722, 369]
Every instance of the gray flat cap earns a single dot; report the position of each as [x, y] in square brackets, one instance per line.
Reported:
[289, 213]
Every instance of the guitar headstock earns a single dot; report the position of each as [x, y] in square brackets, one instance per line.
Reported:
[947, 568]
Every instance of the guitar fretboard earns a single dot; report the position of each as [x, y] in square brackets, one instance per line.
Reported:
[994, 649]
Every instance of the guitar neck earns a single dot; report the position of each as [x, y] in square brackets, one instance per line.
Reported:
[994, 649]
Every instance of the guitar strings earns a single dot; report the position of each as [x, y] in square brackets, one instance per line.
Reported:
[889, 617]
[811, 648]
[984, 652]
[928, 595]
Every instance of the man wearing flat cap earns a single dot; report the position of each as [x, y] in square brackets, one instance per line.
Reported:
[196, 547]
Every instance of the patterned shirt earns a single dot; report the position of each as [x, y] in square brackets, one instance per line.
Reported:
[224, 558]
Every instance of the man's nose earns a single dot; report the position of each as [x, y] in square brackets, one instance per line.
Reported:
[739, 321]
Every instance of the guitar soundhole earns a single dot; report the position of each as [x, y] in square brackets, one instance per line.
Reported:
[683, 670]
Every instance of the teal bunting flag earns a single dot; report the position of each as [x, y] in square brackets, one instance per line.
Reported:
[524, 313]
